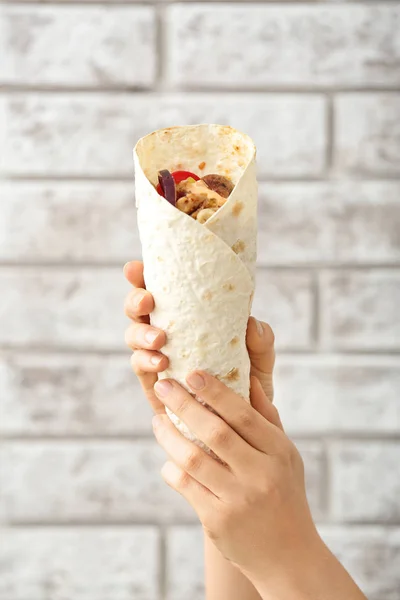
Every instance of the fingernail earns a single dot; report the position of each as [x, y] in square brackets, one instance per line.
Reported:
[196, 381]
[155, 360]
[150, 336]
[163, 388]
[137, 298]
[260, 328]
[156, 421]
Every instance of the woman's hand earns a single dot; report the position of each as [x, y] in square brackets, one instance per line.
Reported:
[222, 579]
[253, 506]
[147, 341]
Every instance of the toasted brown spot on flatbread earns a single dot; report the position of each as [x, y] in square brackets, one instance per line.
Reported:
[237, 148]
[228, 287]
[234, 341]
[202, 165]
[232, 375]
[207, 295]
[237, 209]
[239, 246]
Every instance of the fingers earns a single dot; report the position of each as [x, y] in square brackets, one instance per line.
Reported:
[207, 426]
[143, 336]
[146, 364]
[133, 272]
[138, 303]
[196, 494]
[147, 379]
[262, 404]
[147, 361]
[192, 459]
[240, 415]
[260, 341]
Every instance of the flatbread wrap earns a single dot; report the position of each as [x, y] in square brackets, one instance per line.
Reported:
[198, 237]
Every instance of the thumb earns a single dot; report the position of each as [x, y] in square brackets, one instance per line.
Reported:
[260, 341]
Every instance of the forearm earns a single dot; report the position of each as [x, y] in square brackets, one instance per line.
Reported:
[224, 581]
[315, 575]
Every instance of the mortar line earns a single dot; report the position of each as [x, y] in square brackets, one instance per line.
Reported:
[327, 479]
[155, 3]
[286, 354]
[160, 84]
[263, 179]
[316, 312]
[103, 524]
[106, 438]
[330, 133]
[113, 352]
[76, 265]
[324, 437]
[154, 90]
[163, 579]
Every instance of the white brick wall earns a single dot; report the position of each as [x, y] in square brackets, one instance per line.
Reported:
[370, 553]
[80, 563]
[52, 482]
[343, 222]
[185, 567]
[367, 132]
[365, 481]
[360, 309]
[339, 395]
[89, 47]
[70, 395]
[63, 135]
[84, 512]
[301, 45]
[63, 217]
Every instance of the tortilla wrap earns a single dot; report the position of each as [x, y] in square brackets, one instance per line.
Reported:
[201, 275]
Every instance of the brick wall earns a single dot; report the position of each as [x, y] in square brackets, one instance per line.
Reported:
[84, 513]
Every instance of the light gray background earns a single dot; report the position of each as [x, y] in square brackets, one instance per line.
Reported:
[85, 514]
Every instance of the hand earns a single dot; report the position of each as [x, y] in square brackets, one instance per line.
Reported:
[254, 506]
[147, 341]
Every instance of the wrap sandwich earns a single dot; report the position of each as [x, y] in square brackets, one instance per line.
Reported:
[196, 198]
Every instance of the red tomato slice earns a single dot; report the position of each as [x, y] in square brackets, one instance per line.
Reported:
[178, 177]
[182, 175]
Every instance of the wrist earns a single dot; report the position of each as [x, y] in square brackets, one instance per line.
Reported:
[310, 574]
[294, 571]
